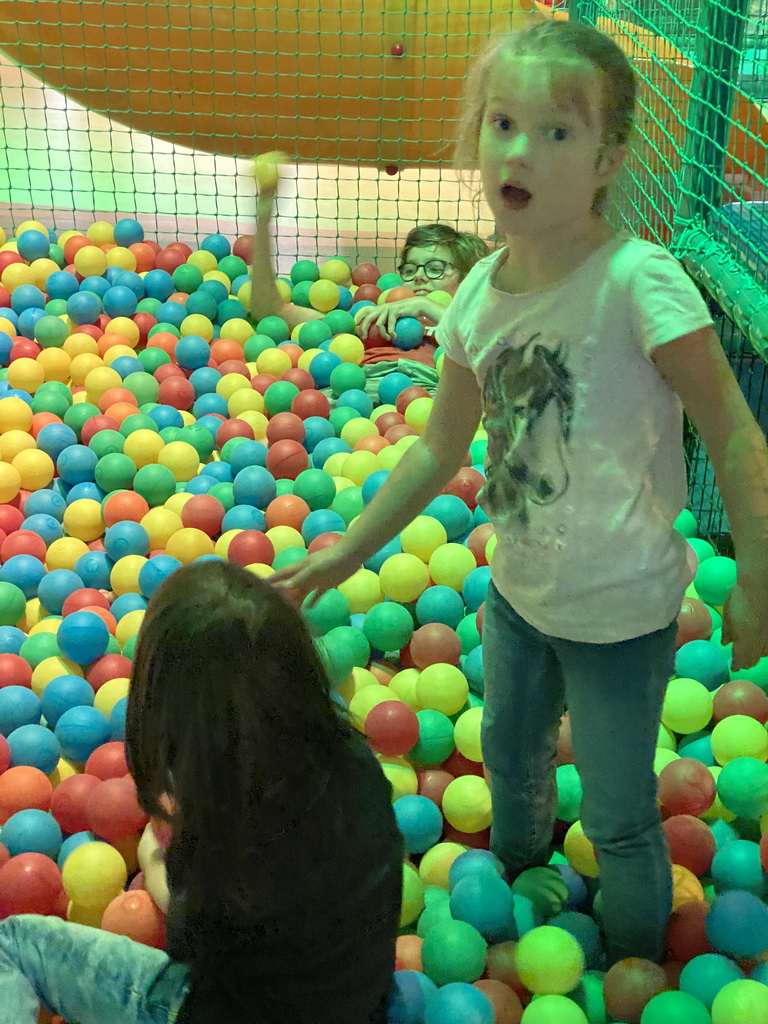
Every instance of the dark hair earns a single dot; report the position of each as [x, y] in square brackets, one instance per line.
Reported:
[465, 248]
[230, 715]
[568, 47]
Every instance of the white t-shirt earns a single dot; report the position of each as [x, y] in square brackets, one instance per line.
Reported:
[586, 470]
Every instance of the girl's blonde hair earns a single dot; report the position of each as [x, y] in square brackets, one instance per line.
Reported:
[569, 48]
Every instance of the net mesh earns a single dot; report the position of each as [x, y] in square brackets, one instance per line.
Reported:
[151, 108]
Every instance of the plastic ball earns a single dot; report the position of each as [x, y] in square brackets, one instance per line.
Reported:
[450, 565]
[686, 787]
[467, 734]
[83, 637]
[739, 736]
[737, 925]
[34, 746]
[392, 729]
[691, 843]
[705, 661]
[29, 884]
[32, 831]
[742, 1001]
[687, 706]
[452, 952]
[80, 731]
[404, 577]
[94, 875]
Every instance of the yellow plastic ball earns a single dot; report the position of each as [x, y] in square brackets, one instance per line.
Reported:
[81, 367]
[261, 569]
[244, 400]
[56, 364]
[188, 544]
[15, 275]
[273, 360]
[403, 578]
[490, 547]
[129, 626]
[49, 624]
[221, 547]
[739, 736]
[362, 590]
[83, 519]
[467, 804]
[741, 1002]
[422, 537]
[450, 565]
[258, 421]
[549, 961]
[64, 552]
[112, 691]
[116, 352]
[231, 383]
[177, 501]
[52, 668]
[305, 361]
[324, 295]
[355, 430]
[266, 168]
[437, 862]
[94, 874]
[12, 442]
[358, 466]
[197, 324]
[337, 271]
[42, 269]
[347, 347]
[26, 374]
[204, 261]
[10, 482]
[143, 447]
[244, 293]
[687, 706]
[122, 258]
[101, 232]
[366, 699]
[237, 329]
[125, 326]
[467, 733]
[401, 776]
[161, 524]
[417, 414]
[63, 770]
[35, 469]
[15, 414]
[413, 895]
[283, 537]
[579, 852]
[124, 577]
[334, 466]
[182, 460]
[663, 757]
[30, 225]
[90, 261]
[100, 380]
[443, 688]
[216, 275]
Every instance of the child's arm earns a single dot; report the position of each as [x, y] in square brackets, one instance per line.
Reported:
[265, 298]
[385, 317]
[696, 367]
[152, 864]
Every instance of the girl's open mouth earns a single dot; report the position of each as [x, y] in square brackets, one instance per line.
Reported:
[515, 197]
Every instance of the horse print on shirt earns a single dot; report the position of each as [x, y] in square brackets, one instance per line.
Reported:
[522, 385]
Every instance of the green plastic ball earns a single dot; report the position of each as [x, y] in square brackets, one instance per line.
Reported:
[316, 487]
[715, 579]
[169, 434]
[313, 333]
[223, 492]
[142, 386]
[337, 661]
[164, 329]
[468, 633]
[331, 610]
[187, 278]
[115, 471]
[742, 786]
[56, 307]
[340, 321]
[138, 421]
[347, 377]
[453, 951]
[288, 556]
[153, 358]
[675, 1008]
[348, 503]
[230, 446]
[107, 442]
[279, 396]
[197, 436]
[37, 647]
[77, 416]
[340, 416]
[275, 328]
[51, 332]
[300, 294]
[148, 305]
[545, 888]
[436, 738]
[255, 345]
[686, 523]
[155, 483]
[13, 604]
[305, 271]
[129, 651]
[233, 267]
[351, 640]
[388, 627]
[387, 281]
[284, 486]
[49, 401]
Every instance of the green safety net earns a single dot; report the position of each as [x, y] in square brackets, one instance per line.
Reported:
[150, 108]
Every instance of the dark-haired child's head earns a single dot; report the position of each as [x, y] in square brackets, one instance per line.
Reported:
[436, 257]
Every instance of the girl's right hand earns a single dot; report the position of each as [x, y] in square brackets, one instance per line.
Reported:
[321, 571]
[385, 317]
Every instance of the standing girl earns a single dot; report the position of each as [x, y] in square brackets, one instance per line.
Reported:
[581, 347]
[284, 870]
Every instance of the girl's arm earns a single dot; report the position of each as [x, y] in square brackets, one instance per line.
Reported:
[696, 367]
[385, 317]
[265, 298]
[152, 864]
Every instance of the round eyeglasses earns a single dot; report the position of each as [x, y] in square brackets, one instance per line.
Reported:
[434, 269]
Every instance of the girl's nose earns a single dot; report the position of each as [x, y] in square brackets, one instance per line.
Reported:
[519, 147]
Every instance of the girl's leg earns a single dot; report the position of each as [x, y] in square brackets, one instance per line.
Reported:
[615, 694]
[86, 975]
[524, 700]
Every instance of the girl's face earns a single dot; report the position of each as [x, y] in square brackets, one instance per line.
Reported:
[540, 154]
[423, 260]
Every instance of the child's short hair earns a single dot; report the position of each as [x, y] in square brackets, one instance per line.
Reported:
[465, 248]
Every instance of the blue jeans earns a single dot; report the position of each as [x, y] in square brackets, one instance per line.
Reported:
[614, 694]
[86, 975]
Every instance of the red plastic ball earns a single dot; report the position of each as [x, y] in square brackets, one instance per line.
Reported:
[480, 618]
[686, 786]
[249, 547]
[474, 840]
[110, 666]
[392, 728]
[4, 855]
[116, 396]
[125, 505]
[42, 419]
[8, 257]
[433, 783]
[387, 420]
[234, 366]
[30, 883]
[233, 428]
[367, 293]
[92, 427]
[113, 810]
[11, 518]
[399, 431]
[286, 459]
[168, 371]
[243, 247]
[686, 932]
[630, 985]
[108, 761]
[324, 540]
[408, 395]
[294, 353]
[24, 349]
[169, 260]
[176, 391]
[740, 697]
[224, 349]
[136, 915]
[14, 671]
[691, 843]
[477, 541]
[262, 381]
[694, 622]
[167, 342]
[23, 788]
[374, 338]
[23, 542]
[435, 643]
[145, 322]
[69, 802]
[287, 510]
[5, 755]
[286, 426]
[457, 765]
[465, 485]
[88, 597]
[303, 380]
[145, 259]
[310, 403]
[365, 273]
[203, 512]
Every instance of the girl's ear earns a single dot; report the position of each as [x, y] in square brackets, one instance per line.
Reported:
[610, 160]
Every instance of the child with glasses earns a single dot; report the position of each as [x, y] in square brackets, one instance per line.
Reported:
[435, 257]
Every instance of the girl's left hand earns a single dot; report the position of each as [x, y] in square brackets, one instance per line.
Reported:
[745, 624]
[385, 317]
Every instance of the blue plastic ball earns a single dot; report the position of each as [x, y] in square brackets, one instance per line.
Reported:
[128, 231]
[27, 296]
[438, 604]
[19, 706]
[155, 571]
[473, 862]
[24, 572]
[216, 289]
[737, 866]
[409, 333]
[210, 404]
[158, 284]
[94, 568]
[11, 640]
[126, 538]
[46, 527]
[248, 453]
[80, 731]
[392, 547]
[230, 309]
[244, 517]
[322, 366]
[117, 720]
[199, 484]
[129, 279]
[83, 637]
[61, 284]
[62, 694]
[28, 321]
[171, 313]
[408, 997]
[97, 285]
[125, 365]
[473, 670]
[737, 925]
[373, 484]
[452, 512]
[586, 932]
[459, 1003]
[202, 303]
[705, 661]
[322, 520]
[35, 746]
[204, 380]
[217, 245]
[84, 308]
[256, 486]
[166, 416]
[120, 301]
[317, 429]
[45, 503]
[85, 489]
[192, 352]
[475, 589]
[485, 901]
[32, 831]
[420, 820]
[53, 439]
[391, 386]
[705, 975]
[71, 843]
[77, 464]
[357, 400]
[33, 245]
[326, 448]
[127, 603]
[56, 587]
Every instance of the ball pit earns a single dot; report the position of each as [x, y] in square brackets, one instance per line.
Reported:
[149, 423]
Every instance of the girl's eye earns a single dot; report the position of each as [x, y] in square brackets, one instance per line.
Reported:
[559, 134]
[503, 123]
